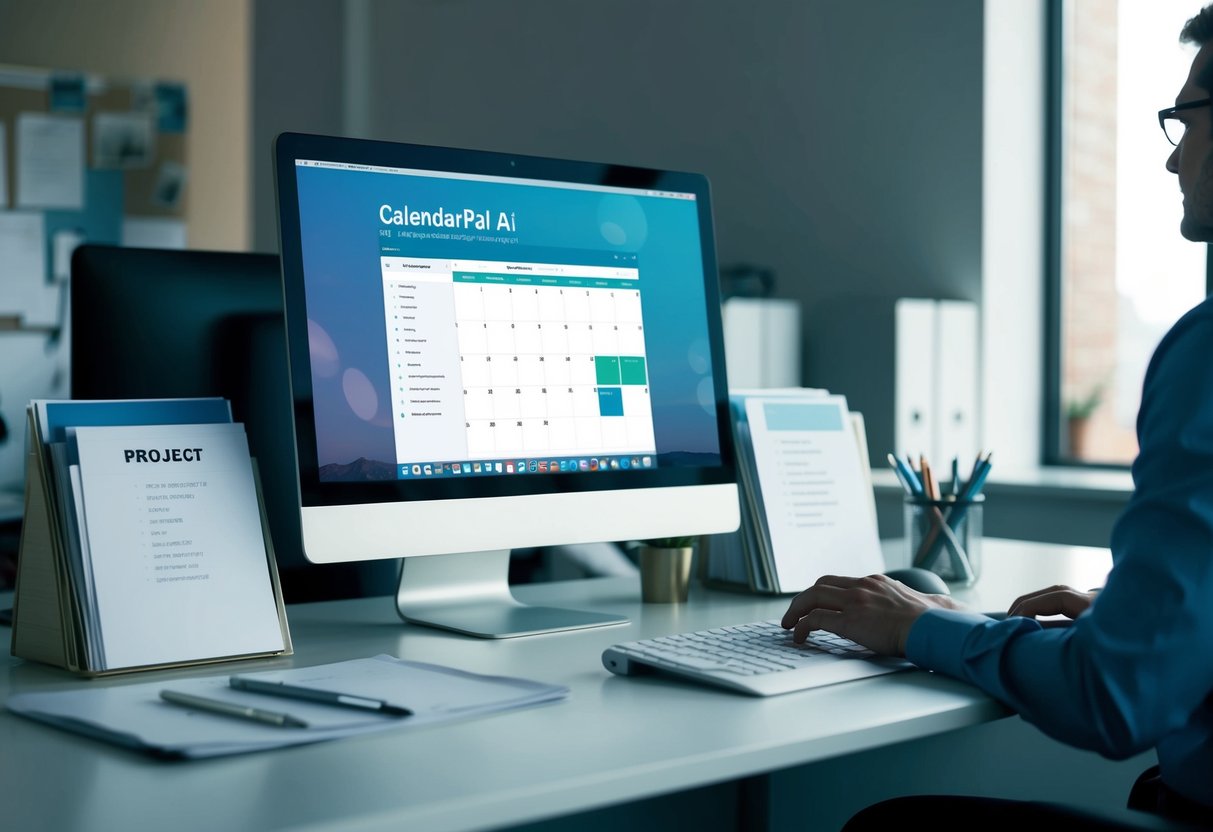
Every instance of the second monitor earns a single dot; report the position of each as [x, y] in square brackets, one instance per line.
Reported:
[159, 323]
[494, 351]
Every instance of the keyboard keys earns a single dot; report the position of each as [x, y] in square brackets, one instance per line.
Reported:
[741, 649]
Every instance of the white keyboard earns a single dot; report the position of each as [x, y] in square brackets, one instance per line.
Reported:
[759, 658]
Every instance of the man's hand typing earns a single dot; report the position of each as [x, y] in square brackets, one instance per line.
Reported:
[875, 611]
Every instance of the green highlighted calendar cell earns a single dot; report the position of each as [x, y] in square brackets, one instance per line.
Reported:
[631, 369]
[620, 369]
[606, 369]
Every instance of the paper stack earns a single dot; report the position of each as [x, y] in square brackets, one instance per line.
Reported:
[137, 717]
[143, 543]
[807, 503]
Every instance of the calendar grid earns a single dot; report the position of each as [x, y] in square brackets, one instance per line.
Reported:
[556, 367]
[500, 361]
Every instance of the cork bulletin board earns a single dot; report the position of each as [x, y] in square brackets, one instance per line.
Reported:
[82, 159]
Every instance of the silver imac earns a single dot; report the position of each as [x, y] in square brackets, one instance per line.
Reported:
[492, 351]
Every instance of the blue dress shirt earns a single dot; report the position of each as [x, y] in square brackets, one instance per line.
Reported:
[1135, 671]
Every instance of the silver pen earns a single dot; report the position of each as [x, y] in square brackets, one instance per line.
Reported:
[216, 706]
[345, 700]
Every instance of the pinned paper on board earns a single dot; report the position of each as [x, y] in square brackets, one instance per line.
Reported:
[123, 140]
[50, 161]
[172, 111]
[68, 93]
[153, 232]
[63, 243]
[24, 292]
[170, 182]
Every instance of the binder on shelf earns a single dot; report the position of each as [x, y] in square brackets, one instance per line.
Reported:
[956, 372]
[914, 360]
[936, 377]
[762, 341]
[807, 505]
[144, 543]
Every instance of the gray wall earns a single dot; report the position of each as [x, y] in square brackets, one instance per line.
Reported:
[297, 73]
[842, 140]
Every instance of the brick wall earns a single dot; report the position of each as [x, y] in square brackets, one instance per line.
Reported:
[1089, 297]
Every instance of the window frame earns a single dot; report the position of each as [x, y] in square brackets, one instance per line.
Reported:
[1051, 418]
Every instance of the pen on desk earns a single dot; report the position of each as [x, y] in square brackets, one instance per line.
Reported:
[215, 706]
[345, 700]
[955, 476]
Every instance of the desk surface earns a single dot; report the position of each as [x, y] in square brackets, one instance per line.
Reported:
[614, 739]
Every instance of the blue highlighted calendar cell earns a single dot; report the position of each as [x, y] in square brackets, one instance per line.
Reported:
[610, 401]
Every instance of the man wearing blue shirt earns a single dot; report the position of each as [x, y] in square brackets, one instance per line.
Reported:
[1134, 670]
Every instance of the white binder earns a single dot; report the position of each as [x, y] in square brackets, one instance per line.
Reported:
[937, 365]
[914, 396]
[762, 342]
[956, 363]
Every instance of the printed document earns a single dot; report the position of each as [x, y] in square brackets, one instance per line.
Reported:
[812, 492]
[50, 161]
[175, 543]
[136, 717]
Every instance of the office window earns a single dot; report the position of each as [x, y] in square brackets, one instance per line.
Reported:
[1121, 272]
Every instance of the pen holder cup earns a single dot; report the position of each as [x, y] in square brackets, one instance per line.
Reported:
[944, 536]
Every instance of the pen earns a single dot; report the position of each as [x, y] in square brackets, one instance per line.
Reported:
[979, 476]
[344, 700]
[899, 468]
[907, 468]
[215, 706]
[929, 486]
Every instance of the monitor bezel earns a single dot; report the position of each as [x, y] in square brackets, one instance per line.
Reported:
[314, 492]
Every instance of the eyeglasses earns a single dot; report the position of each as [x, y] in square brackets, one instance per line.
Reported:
[1172, 126]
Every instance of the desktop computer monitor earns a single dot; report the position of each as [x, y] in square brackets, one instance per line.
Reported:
[162, 323]
[491, 351]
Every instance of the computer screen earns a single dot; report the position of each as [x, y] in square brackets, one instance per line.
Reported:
[159, 323]
[491, 351]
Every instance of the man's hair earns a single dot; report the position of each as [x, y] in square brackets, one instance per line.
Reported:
[1199, 29]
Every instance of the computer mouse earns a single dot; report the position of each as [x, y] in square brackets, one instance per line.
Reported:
[922, 580]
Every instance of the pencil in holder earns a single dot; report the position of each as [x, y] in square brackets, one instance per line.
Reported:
[944, 536]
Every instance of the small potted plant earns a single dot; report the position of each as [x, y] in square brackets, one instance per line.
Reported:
[665, 568]
[1078, 417]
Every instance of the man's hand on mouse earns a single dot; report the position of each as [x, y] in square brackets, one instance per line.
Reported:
[875, 611]
[1053, 600]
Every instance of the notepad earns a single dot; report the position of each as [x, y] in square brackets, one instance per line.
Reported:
[135, 717]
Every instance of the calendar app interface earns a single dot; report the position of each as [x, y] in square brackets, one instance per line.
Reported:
[502, 365]
[468, 324]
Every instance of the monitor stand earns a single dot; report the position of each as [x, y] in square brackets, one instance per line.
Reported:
[469, 593]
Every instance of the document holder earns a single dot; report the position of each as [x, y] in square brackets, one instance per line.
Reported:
[807, 504]
[48, 623]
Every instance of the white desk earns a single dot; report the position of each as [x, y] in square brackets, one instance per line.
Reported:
[614, 740]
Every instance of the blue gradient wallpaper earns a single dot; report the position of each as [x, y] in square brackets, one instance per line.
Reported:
[340, 225]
